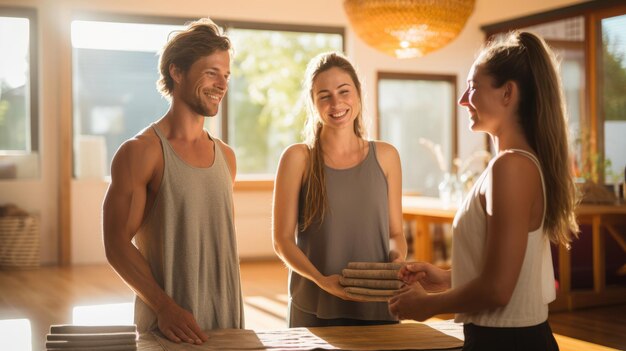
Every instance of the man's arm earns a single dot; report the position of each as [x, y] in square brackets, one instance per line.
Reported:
[131, 170]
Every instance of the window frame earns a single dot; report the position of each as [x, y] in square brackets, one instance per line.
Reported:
[278, 27]
[111, 18]
[242, 182]
[33, 79]
[66, 133]
[265, 182]
[593, 12]
[415, 76]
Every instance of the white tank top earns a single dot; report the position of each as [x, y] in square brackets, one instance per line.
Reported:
[535, 288]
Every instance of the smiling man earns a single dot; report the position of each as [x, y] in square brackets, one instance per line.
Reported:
[171, 192]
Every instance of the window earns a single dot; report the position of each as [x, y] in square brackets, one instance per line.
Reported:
[613, 96]
[265, 113]
[115, 69]
[590, 41]
[415, 110]
[115, 96]
[567, 39]
[19, 136]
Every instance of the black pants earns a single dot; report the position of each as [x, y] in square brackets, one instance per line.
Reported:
[298, 318]
[536, 338]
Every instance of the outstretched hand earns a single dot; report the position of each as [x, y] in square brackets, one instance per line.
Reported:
[178, 324]
[410, 303]
[430, 277]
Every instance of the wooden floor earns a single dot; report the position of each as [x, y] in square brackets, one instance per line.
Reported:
[49, 295]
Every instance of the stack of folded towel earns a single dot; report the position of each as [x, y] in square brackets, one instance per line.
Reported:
[371, 281]
[85, 338]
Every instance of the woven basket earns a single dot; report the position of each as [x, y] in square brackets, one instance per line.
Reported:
[19, 242]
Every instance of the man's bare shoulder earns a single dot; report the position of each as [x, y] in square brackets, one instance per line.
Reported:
[143, 150]
[226, 149]
[144, 141]
[229, 156]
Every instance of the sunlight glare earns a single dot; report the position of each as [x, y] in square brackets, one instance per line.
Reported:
[105, 314]
[269, 305]
[15, 334]
[257, 319]
[120, 36]
[282, 298]
[14, 41]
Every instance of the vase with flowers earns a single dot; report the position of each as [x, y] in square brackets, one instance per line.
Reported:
[458, 181]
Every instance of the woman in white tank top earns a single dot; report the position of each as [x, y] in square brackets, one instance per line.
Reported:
[502, 277]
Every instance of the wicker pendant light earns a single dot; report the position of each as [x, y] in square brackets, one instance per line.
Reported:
[408, 28]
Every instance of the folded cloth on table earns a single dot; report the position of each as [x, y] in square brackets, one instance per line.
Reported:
[63, 344]
[97, 348]
[92, 337]
[371, 283]
[375, 265]
[91, 329]
[370, 273]
[67, 337]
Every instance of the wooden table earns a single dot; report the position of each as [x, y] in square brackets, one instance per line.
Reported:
[427, 210]
[444, 335]
[599, 217]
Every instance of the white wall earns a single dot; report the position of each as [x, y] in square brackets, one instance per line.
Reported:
[252, 208]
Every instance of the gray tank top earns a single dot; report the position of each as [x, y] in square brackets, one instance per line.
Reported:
[188, 239]
[355, 228]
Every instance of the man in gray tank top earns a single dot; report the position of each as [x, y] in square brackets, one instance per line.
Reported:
[171, 193]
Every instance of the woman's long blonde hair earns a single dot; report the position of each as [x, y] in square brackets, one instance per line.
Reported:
[315, 204]
[524, 58]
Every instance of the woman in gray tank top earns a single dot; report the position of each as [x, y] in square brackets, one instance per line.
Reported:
[337, 199]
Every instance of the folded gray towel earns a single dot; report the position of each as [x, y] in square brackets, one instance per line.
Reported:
[375, 265]
[369, 298]
[370, 273]
[63, 344]
[97, 348]
[91, 329]
[92, 337]
[369, 292]
[371, 283]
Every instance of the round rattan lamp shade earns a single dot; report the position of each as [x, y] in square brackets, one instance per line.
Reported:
[408, 28]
